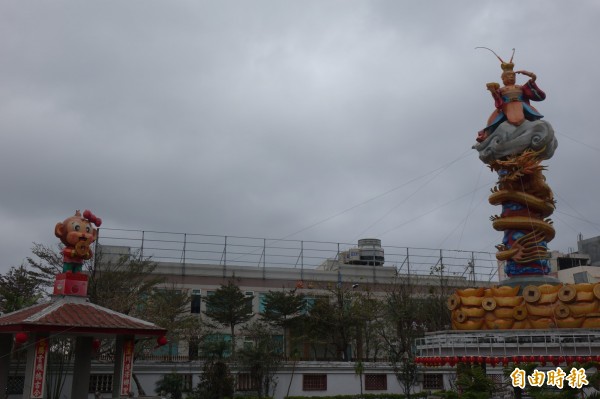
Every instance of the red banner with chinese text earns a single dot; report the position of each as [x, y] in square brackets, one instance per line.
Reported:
[39, 368]
[127, 367]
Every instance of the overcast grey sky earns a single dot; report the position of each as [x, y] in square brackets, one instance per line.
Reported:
[261, 118]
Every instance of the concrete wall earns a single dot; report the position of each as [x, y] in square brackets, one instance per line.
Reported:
[591, 247]
[341, 377]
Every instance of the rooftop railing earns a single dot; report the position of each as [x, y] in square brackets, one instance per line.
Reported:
[190, 249]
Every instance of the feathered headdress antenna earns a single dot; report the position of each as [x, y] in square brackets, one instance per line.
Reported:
[506, 66]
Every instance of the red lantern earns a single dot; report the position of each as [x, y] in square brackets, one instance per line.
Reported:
[473, 359]
[515, 359]
[570, 359]
[452, 361]
[542, 360]
[480, 359]
[21, 338]
[561, 359]
[579, 359]
[531, 359]
[96, 344]
[588, 359]
[162, 340]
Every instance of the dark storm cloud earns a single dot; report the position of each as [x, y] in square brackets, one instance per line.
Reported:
[263, 118]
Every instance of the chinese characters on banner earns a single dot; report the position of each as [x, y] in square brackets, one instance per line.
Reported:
[39, 368]
[127, 367]
[576, 378]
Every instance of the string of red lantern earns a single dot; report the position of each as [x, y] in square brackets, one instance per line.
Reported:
[543, 360]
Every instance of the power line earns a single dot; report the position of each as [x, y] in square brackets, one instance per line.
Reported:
[589, 146]
[435, 209]
[464, 155]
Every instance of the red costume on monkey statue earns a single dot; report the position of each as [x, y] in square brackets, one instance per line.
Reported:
[77, 233]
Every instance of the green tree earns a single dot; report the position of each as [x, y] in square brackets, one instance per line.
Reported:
[368, 311]
[60, 356]
[435, 310]
[403, 324]
[359, 370]
[123, 284]
[261, 358]
[19, 288]
[229, 307]
[216, 381]
[334, 321]
[46, 263]
[170, 384]
[169, 308]
[283, 309]
[473, 382]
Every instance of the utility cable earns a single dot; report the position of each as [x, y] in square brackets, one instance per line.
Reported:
[462, 156]
[434, 209]
[400, 203]
[589, 146]
[469, 209]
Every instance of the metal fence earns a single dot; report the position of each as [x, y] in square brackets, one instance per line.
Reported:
[192, 249]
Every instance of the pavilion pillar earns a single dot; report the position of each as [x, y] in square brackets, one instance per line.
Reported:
[123, 366]
[5, 348]
[82, 366]
[35, 369]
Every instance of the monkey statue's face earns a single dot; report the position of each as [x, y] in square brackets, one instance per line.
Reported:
[76, 231]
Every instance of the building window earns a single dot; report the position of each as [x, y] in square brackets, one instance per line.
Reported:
[278, 343]
[187, 382]
[249, 297]
[248, 342]
[309, 303]
[581, 277]
[498, 379]
[196, 301]
[15, 384]
[168, 350]
[193, 348]
[217, 345]
[376, 382]
[245, 382]
[102, 383]
[262, 302]
[314, 382]
[433, 381]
